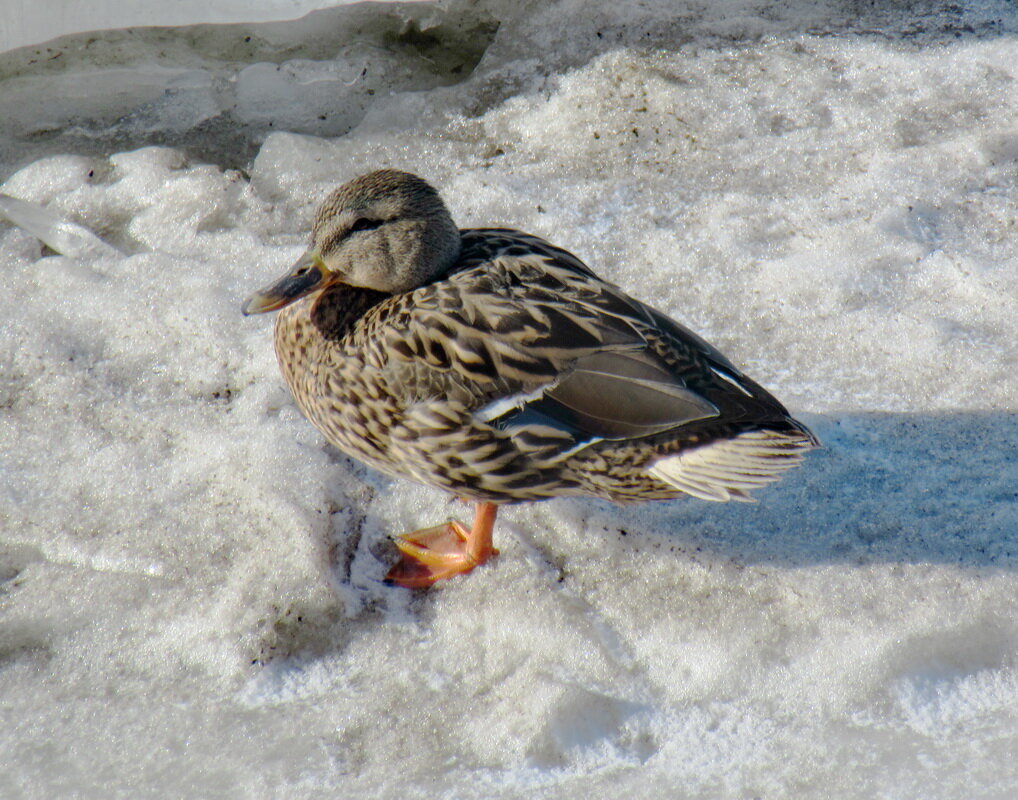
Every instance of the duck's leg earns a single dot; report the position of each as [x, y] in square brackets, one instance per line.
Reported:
[433, 554]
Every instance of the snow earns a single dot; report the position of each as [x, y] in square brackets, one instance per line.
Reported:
[190, 579]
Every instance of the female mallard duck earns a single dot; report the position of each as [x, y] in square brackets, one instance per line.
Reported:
[498, 367]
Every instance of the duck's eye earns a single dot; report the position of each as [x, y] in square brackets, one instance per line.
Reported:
[364, 224]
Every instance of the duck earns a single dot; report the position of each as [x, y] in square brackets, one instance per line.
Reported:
[498, 367]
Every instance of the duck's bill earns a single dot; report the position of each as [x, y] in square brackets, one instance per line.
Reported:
[308, 274]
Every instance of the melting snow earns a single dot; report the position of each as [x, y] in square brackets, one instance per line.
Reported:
[190, 579]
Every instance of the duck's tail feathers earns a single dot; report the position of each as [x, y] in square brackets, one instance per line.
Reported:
[727, 469]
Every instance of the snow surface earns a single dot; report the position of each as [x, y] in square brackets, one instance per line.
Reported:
[191, 600]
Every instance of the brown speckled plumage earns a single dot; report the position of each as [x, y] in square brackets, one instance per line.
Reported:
[396, 380]
[494, 365]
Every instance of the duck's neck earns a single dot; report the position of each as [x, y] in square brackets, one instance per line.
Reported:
[336, 310]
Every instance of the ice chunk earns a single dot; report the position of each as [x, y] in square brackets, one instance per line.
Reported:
[57, 233]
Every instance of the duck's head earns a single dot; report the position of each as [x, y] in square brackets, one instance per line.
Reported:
[387, 230]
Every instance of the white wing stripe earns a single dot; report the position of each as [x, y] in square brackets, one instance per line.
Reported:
[729, 378]
[496, 408]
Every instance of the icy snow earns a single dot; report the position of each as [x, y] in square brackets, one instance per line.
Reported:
[191, 600]
[29, 22]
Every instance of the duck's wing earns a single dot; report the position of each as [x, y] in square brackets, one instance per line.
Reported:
[528, 341]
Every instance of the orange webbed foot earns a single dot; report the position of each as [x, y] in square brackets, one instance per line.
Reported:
[444, 551]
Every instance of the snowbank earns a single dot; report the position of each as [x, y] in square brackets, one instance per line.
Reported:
[191, 596]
